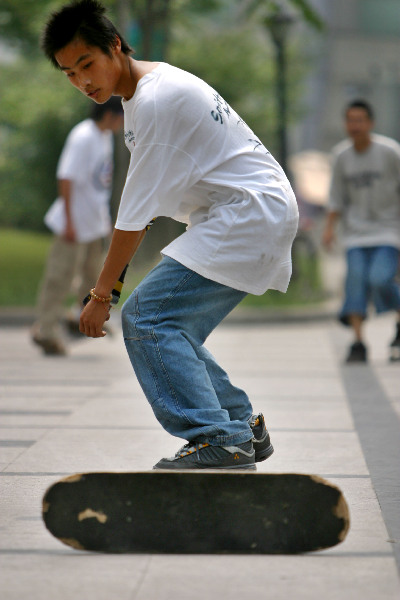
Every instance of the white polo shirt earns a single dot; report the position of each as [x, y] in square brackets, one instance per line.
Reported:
[87, 161]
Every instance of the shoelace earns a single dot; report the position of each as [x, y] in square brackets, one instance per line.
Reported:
[189, 448]
[255, 421]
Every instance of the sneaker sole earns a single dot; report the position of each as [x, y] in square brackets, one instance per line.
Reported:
[264, 454]
[251, 467]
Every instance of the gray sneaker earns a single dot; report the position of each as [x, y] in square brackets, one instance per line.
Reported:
[203, 456]
[357, 353]
[261, 442]
[50, 347]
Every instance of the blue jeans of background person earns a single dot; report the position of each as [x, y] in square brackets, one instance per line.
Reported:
[165, 323]
[371, 278]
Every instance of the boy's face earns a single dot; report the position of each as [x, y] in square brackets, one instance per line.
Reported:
[358, 123]
[90, 70]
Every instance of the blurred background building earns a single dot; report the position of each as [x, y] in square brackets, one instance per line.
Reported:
[356, 56]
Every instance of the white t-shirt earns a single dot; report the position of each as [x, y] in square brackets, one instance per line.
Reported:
[195, 160]
[86, 160]
[365, 189]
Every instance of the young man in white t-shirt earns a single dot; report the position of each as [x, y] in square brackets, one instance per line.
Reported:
[80, 220]
[365, 199]
[195, 160]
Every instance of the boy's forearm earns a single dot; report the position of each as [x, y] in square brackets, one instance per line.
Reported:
[124, 245]
[64, 191]
[328, 235]
[332, 217]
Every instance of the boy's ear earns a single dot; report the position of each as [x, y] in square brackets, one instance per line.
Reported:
[116, 45]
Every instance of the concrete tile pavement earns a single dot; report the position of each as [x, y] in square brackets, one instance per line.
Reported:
[87, 412]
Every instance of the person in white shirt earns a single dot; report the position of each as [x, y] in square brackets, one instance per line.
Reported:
[80, 219]
[365, 199]
[196, 161]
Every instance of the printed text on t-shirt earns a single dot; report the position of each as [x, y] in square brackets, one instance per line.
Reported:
[365, 179]
[220, 108]
[129, 137]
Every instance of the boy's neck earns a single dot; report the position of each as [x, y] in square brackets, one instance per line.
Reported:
[132, 71]
[361, 145]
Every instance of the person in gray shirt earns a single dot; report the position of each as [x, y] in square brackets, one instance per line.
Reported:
[365, 198]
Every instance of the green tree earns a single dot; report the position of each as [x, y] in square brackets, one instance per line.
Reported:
[37, 111]
[222, 41]
[36, 114]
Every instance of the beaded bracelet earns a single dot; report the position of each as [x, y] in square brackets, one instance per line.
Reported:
[99, 298]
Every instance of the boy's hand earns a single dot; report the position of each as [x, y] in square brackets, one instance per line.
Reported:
[328, 237]
[69, 233]
[93, 318]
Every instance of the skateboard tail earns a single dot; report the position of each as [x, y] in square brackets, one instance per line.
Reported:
[340, 510]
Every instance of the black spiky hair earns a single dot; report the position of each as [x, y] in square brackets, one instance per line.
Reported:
[83, 19]
[364, 105]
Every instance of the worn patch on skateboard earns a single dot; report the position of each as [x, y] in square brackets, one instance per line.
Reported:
[92, 514]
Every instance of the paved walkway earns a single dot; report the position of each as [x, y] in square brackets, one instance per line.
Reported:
[86, 412]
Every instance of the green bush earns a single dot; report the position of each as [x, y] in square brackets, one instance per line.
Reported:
[22, 258]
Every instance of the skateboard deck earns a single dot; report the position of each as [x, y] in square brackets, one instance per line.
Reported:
[196, 512]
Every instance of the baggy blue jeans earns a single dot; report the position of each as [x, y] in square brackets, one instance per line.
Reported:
[370, 276]
[165, 323]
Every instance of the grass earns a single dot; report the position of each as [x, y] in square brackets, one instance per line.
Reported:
[22, 258]
[23, 255]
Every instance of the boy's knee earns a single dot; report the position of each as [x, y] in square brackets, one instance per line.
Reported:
[124, 314]
[135, 323]
[378, 281]
[356, 270]
[128, 312]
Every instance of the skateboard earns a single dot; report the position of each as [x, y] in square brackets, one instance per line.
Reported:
[196, 512]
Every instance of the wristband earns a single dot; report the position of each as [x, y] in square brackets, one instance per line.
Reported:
[149, 224]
